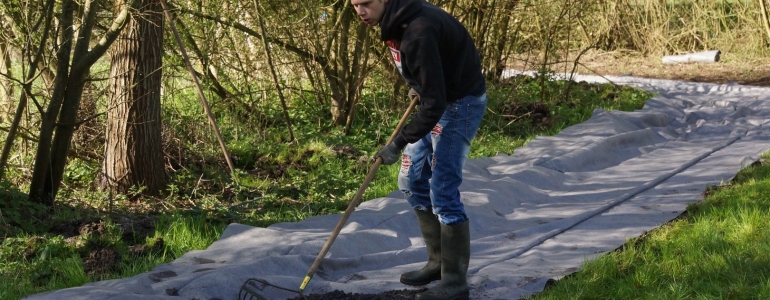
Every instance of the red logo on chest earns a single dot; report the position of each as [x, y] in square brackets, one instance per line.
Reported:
[395, 49]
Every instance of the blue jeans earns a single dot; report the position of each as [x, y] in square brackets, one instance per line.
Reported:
[431, 168]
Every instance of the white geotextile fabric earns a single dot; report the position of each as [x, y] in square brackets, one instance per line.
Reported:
[536, 215]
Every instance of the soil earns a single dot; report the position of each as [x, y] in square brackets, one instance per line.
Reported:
[340, 295]
[100, 258]
[74, 228]
[101, 261]
[136, 229]
[729, 69]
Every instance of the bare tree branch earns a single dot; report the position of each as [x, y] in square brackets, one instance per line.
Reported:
[301, 52]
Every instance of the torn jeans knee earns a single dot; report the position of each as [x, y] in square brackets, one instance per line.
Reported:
[415, 173]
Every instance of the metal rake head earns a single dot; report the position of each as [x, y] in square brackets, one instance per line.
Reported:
[251, 287]
[249, 290]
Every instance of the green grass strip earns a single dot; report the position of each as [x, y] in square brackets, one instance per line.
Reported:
[719, 249]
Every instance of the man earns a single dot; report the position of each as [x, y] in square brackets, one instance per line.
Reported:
[437, 57]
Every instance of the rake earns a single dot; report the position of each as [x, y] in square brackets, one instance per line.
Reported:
[249, 289]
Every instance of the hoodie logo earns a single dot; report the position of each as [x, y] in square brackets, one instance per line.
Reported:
[395, 50]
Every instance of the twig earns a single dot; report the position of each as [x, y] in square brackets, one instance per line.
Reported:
[517, 117]
[244, 203]
[197, 184]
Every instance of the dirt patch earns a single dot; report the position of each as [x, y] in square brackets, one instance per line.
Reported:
[99, 256]
[537, 113]
[136, 229]
[92, 228]
[101, 261]
[265, 167]
[143, 249]
[347, 151]
[68, 229]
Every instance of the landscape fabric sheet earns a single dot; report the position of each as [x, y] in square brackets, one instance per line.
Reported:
[535, 215]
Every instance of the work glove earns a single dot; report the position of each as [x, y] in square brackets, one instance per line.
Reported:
[412, 94]
[390, 154]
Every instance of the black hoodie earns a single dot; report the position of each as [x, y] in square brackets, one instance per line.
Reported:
[437, 57]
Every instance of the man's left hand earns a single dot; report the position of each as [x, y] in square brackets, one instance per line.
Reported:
[412, 94]
[390, 154]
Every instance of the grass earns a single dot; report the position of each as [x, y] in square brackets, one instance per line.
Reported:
[274, 182]
[43, 262]
[719, 249]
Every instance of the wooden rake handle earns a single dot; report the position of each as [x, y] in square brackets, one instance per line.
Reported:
[355, 202]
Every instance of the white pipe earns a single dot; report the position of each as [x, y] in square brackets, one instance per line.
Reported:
[706, 57]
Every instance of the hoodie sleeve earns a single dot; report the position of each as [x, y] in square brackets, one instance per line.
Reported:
[422, 60]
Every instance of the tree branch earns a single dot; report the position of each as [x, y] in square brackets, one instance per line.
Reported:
[220, 90]
[301, 52]
[110, 36]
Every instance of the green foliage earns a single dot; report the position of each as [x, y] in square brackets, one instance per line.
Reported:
[81, 173]
[523, 107]
[17, 215]
[29, 264]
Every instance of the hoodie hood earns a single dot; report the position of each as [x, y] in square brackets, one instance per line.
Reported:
[397, 15]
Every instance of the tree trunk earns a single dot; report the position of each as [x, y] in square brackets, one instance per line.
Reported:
[357, 73]
[133, 152]
[345, 76]
[39, 191]
[339, 72]
[502, 35]
[6, 86]
[57, 124]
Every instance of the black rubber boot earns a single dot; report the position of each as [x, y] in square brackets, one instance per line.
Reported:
[431, 233]
[455, 256]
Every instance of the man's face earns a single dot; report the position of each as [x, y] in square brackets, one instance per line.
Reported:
[370, 11]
